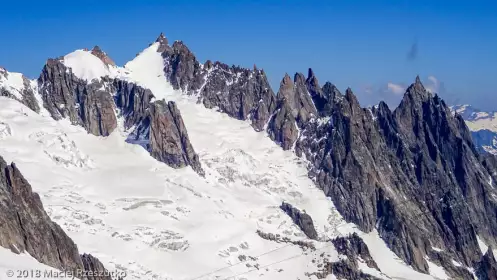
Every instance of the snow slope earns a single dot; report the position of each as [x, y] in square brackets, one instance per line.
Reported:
[13, 266]
[139, 215]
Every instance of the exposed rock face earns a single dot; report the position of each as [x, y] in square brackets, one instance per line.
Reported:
[241, 93]
[133, 101]
[90, 263]
[354, 248]
[301, 219]
[66, 96]
[96, 51]
[169, 140]
[414, 173]
[343, 269]
[487, 267]
[26, 227]
[295, 109]
[322, 97]
[282, 127]
[97, 110]
[24, 94]
[296, 95]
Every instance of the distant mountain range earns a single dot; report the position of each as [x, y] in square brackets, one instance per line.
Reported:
[483, 126]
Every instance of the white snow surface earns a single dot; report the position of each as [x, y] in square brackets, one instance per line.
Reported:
[86, 66]
[155, 222]
[483, 246]
[436, 270]
[13, 266]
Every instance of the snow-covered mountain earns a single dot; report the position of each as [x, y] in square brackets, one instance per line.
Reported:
[226, 180]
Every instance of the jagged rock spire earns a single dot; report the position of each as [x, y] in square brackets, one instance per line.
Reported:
[415, 93]
[418, 85]
[310, 73]
[286, 80]
[163, 43]
[299, 78]
[161, 38]
[350, 96]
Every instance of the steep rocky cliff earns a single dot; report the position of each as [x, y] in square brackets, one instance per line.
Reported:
[26, 227]
[413, 174]
[169, 140]
[241, 93]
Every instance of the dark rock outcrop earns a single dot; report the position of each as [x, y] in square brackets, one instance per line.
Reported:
[97, 110]
[169, 140]
[486, 269]
[354, 248]
[241, 93]
[133, 102]
[304, 245]
[322, 97]
[26, 227]
[301, 219]
[343, 269]
[90, 263]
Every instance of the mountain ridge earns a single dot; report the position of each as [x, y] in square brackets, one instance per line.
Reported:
[364, 159]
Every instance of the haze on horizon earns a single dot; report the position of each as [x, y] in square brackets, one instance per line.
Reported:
[376, 48]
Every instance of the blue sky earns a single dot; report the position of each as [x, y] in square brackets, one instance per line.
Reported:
[374, 47]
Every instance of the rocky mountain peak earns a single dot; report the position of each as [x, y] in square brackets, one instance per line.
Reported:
[299, 79]
[350, 96]
[163, 43]
[162, 39]
[286, 81]
[417, 92]
[331, 91]
[312, 80]
[97, 51]
[208, 64]
[310, 73]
